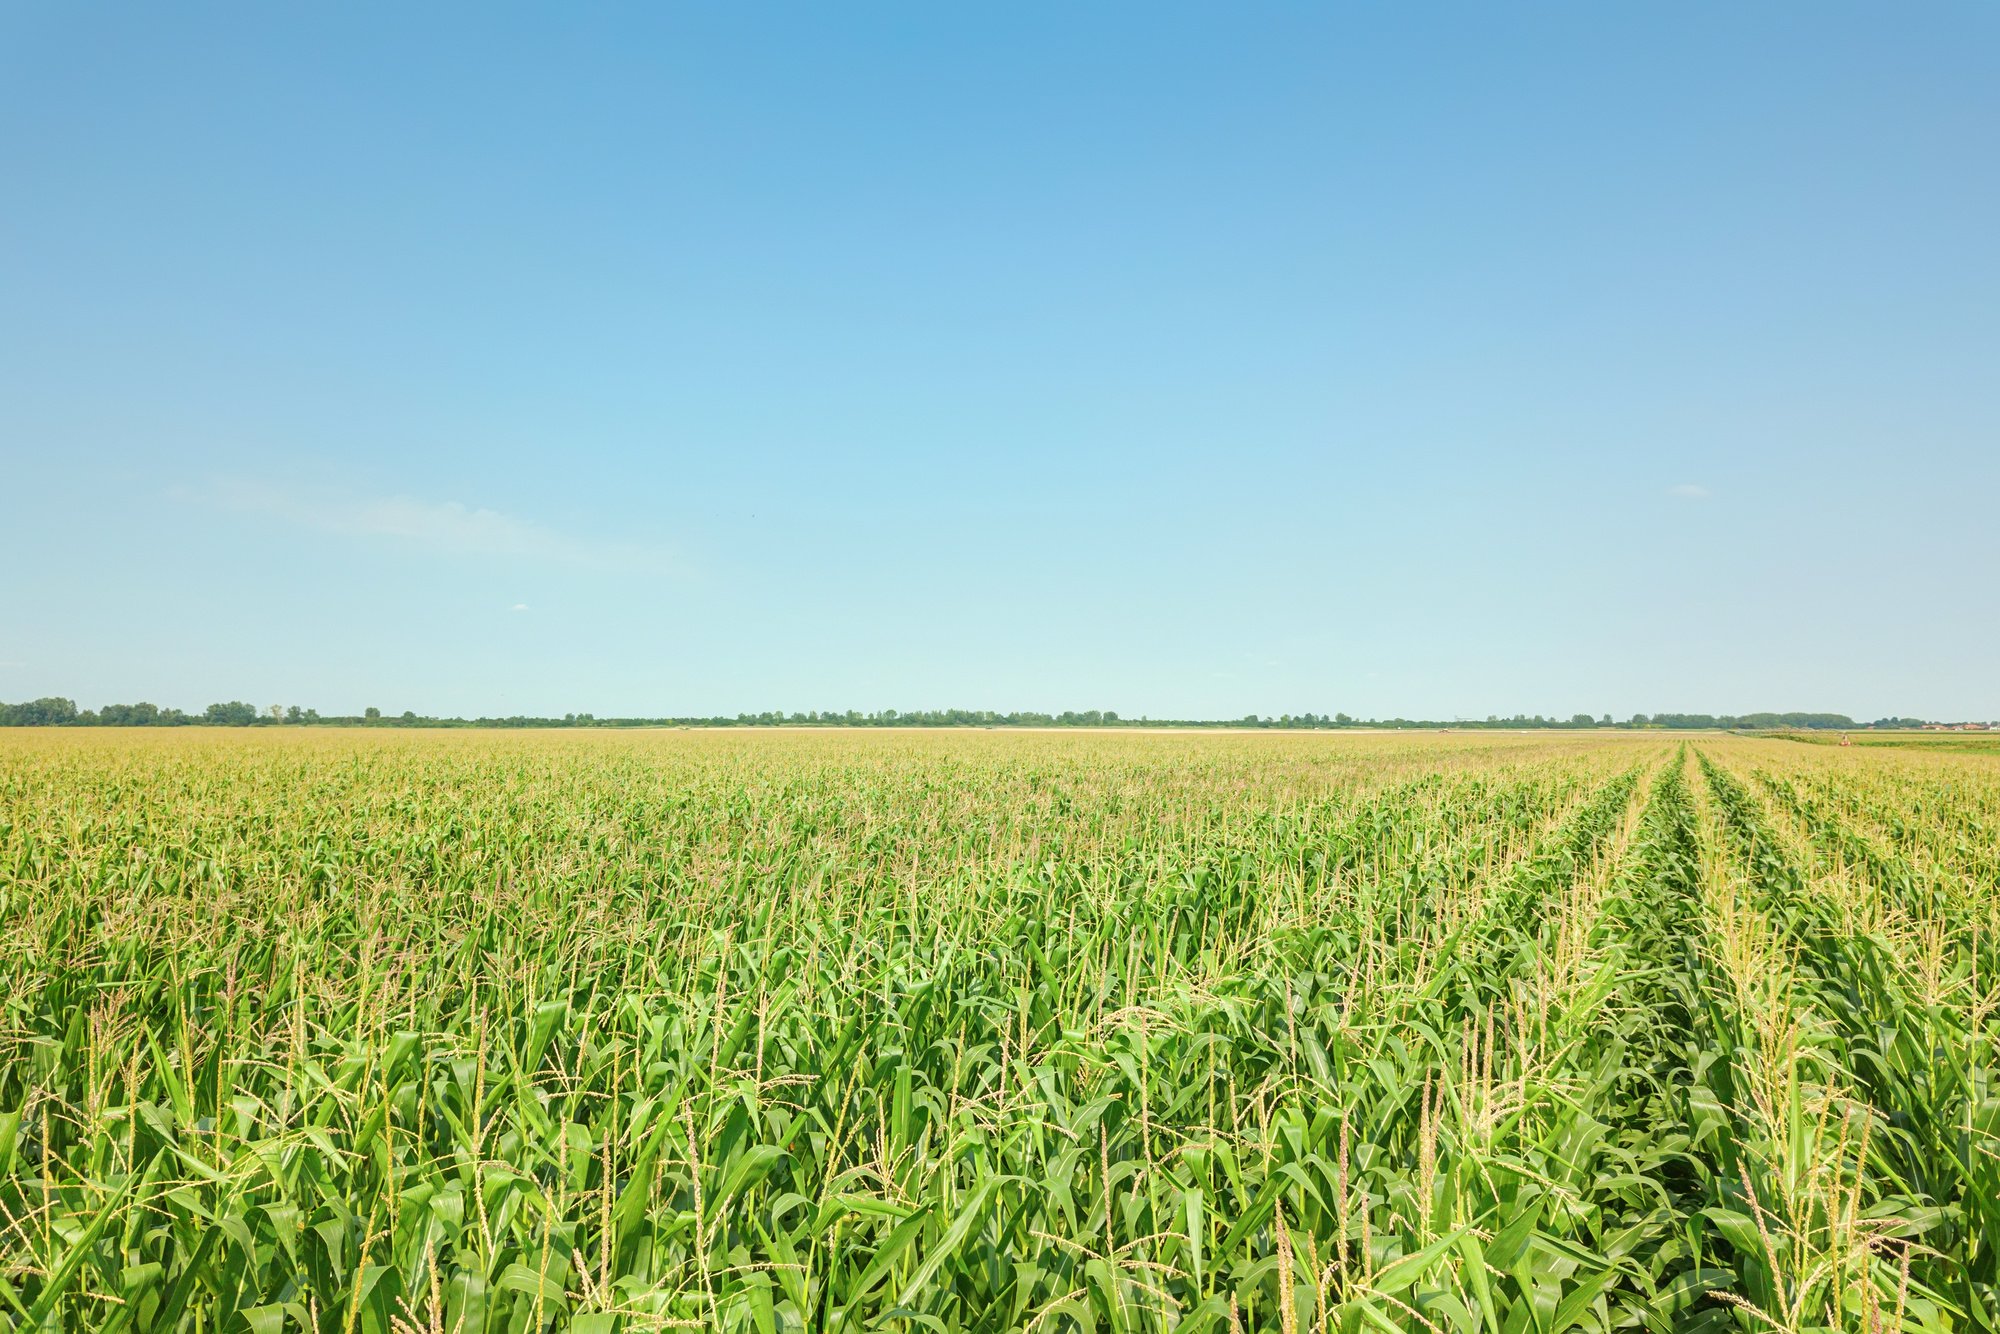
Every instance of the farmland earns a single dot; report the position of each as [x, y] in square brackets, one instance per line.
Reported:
[437, 1033]
[1973, 743]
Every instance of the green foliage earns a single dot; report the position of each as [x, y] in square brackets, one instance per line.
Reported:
[389, 1031]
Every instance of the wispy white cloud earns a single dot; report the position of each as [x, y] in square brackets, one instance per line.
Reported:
[447, 526]
[1688, 491]
[519, 606]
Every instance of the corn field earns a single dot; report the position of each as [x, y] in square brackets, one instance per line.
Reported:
[450, 1033]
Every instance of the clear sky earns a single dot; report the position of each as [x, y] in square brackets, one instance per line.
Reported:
[1177, 359]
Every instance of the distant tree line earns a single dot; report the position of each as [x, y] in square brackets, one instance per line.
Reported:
[1746, 722]
[58, 712]
[54, 711]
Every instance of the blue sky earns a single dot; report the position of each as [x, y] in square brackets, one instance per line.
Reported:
[1182, 360]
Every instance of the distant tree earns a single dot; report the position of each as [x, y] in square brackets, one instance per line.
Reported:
[1580, 720]
[49, 711]
[233, 714]
[277, 712]
[371, 713]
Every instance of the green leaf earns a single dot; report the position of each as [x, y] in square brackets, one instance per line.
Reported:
[1410, 1268]
[953, 1237]
[889, 1252]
